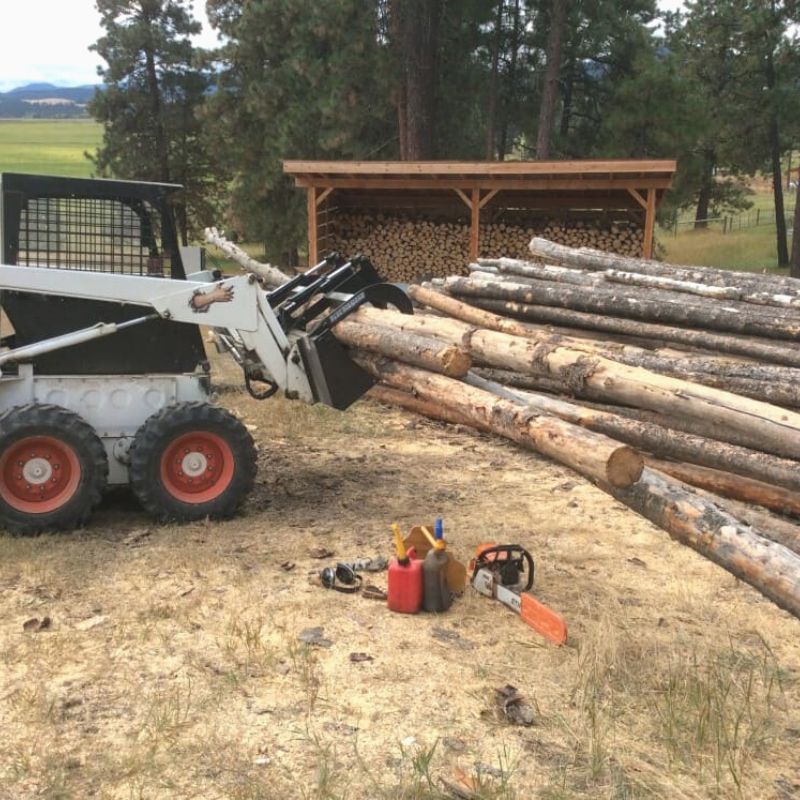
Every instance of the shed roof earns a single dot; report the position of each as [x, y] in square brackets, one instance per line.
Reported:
[531, 175]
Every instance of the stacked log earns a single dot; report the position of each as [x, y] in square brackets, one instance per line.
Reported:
[692, 416]
[405, 248]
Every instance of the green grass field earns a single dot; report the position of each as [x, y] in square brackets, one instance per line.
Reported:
[750, 249]
[47, 146]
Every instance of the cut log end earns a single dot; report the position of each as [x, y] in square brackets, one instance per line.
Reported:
[624, 467]
[456, 362]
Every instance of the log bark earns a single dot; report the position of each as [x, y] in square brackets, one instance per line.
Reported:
[777, 429]
[421, 351]
[521, 273]
[767, 390]
[741, 293]
[762, 349]
[720, 433]
[648, 436]
[587, 299]
[702, 525]
[742, 290]
[772, 526]
[271, 275]
[726, 484]
[592, 455]
[410, 402]
[585, 258]
[668, 362]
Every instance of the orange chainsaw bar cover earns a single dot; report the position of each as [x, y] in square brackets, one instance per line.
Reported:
[543, 619]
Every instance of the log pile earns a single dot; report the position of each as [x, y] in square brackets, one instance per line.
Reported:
[674, 389]
[405, 248]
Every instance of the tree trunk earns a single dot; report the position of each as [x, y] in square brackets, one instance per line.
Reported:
[491, 105]
[592, 300]
[588, 453]
[154, 93]
[547, 109]
[775, 159]
[418, 51]
[704, 193]
[794, 267]
[421, 351]
[702, 525]
[728, 485]
[569, 82]
[649, 436]
[511, 81]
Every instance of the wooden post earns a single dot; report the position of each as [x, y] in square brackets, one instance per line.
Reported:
[312, 226]
[649, 224]
[474, 225]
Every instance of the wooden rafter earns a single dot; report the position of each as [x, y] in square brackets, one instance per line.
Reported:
[323, 195]
[464, 197]
[637, 197]
[488, 197]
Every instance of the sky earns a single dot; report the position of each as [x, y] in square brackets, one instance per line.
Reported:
[48, 40]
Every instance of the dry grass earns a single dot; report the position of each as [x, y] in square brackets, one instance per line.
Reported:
[173, 669]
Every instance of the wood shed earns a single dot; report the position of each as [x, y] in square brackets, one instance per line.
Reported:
[432, 217]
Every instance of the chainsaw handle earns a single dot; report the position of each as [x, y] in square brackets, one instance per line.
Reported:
[528, 569]
[495, 556]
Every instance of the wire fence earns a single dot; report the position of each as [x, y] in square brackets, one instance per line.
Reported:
[734, 222]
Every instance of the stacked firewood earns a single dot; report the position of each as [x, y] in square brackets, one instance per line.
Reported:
[405, 248]
[674, 389]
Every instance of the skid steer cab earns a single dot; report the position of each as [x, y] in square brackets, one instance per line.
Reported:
[104, 379]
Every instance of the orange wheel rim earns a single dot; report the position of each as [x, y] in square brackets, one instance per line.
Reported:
[197, 467]
[39, 474]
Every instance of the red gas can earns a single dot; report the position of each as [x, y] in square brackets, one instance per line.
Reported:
[405, 584]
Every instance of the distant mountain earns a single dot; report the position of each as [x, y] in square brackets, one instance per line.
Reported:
[45, 100]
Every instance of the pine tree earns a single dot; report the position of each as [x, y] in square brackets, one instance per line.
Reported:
[153, 89]
[297, 80]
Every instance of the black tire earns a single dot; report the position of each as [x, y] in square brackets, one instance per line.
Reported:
[190, 461]
[53, 469]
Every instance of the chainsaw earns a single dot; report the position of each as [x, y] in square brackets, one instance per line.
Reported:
[505, 573]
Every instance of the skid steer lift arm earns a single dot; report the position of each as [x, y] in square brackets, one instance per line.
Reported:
[282, 338]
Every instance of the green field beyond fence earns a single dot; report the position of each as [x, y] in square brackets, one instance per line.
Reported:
[47, 146]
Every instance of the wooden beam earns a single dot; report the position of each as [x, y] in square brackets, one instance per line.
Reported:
[488, 197]
[649, 224]
[474, 228]
[487, 184]
[312, 226]
[464, 197]
[631, 168]
[323, 195]
[638, 198]
[408, 199]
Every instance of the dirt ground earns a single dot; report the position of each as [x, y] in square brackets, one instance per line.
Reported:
[172, 667]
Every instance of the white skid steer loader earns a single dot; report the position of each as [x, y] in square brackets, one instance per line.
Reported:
[104, 380]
